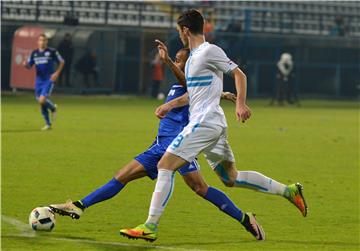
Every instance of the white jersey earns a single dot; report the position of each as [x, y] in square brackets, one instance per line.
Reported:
[204, 79]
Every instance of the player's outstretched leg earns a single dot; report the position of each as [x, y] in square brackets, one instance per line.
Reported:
[131, 171]
[218, 198]
[75, 209]
[254, 180]
[164, 187]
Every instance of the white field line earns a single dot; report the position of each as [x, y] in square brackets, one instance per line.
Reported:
[27, 232]
[25, 229]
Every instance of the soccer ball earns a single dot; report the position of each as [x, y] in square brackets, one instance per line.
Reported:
[42, 219]
[160, 96]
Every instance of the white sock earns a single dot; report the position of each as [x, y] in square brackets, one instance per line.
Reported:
[161, 195]
[259, 182]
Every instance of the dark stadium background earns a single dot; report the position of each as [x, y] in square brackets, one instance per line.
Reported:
[253, 33]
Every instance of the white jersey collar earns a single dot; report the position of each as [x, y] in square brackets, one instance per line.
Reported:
[197, 48]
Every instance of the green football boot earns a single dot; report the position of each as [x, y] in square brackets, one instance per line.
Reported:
[146, 232]
[294, 194]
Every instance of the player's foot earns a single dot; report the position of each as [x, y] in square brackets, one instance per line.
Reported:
[54, 113]
[294, 194]
[251, 225]
[69, 209]
[46, 128]
[146, 232]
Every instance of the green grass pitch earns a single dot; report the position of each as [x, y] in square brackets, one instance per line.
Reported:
[316, 144]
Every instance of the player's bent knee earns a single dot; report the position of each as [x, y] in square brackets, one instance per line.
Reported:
[170, 162]
[132, 171]
[164, 166]
[199, 188]
[228, 183]
[228, 180]
[227, 173]
[42, 100]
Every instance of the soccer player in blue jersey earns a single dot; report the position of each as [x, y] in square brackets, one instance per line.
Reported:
[145, 164]
[44, 59]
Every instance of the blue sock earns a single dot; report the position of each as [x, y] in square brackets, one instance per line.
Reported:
[105, 192]
[45, 113]
[50, 105]
[219, 199]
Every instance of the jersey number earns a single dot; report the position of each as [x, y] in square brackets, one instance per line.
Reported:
[176, 143]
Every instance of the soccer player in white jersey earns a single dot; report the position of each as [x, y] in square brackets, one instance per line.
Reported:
[206, 131]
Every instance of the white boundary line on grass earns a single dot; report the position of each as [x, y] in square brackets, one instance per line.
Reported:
[21, 226]
[26, 232]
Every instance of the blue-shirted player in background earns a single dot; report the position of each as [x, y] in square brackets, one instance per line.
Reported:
[145, 164]
[44, 59]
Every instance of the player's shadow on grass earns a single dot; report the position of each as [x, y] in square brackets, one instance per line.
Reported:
[20, 130]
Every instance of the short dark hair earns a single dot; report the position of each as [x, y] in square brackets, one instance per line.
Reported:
[43, 35]
[193, 20]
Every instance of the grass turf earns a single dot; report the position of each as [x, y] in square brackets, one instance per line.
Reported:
[316, 144]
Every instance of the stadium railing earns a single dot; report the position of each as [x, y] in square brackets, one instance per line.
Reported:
[317, 18]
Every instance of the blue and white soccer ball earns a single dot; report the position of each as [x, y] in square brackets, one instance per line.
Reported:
[42, 219]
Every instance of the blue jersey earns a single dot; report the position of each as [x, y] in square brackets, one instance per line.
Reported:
[174, 122]
[44, 62]
[170, 126]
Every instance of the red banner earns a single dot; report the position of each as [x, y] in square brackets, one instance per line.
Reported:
[24, 42]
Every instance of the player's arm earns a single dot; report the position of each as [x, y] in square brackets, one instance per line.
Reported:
[183, 100]
[27, 65]
[61, 63]
[164, 55]
[218, 59]
[228, 96]
[162, 110]
[56, 74]
[29, 62]
[243, 112]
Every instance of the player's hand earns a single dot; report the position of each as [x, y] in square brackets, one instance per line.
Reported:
[54, 76]
[25, 64]
[162, 110]
[163, 51]
[243, 112]
[229, 96]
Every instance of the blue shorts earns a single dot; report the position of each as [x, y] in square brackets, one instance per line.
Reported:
[43, 87]
[150, 158]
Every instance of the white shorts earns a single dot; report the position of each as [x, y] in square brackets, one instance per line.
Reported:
[206, 138]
